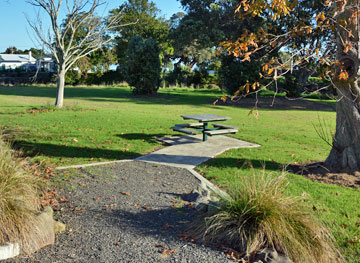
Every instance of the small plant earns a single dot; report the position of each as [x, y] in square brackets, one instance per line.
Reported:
[19, 198]
[259, 215]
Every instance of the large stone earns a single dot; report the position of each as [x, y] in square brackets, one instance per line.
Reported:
[271, 256]
[43, 233]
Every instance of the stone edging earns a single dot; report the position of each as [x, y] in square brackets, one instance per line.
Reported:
[91, 164]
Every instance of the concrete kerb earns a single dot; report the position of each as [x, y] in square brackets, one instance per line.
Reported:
[91, 164]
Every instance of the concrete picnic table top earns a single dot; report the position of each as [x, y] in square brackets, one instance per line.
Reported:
[205, 117]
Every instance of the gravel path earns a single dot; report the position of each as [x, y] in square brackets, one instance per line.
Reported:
[126, 212]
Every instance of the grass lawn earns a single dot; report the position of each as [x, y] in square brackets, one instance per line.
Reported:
[108, 123]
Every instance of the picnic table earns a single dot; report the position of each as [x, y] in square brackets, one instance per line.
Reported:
[203, 125]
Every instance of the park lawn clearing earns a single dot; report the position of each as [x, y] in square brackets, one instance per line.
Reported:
[109, 123]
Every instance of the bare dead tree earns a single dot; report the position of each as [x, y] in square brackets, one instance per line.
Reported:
[61, 40]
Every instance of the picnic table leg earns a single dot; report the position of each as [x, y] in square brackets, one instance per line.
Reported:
[204, 134]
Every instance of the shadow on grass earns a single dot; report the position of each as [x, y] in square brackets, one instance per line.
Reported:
[53, 150]
[150, 138]
[112, 94]
[242, 163]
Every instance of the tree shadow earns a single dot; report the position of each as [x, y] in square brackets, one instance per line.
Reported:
[150, 138]
[224, 162]
[53, 150]
[109, 94]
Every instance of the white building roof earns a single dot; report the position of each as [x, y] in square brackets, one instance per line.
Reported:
[16, 58]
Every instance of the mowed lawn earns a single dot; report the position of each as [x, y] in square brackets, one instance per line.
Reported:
[109, 123]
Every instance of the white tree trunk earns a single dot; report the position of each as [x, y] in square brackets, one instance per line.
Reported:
[60, 86]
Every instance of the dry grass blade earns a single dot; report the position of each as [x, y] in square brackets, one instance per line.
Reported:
[259, 215]
[19, 198]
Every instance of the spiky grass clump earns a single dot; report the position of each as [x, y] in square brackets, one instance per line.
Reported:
[259, 215]
[19, 198]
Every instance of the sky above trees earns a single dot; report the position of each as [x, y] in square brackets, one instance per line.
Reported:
[14, 29]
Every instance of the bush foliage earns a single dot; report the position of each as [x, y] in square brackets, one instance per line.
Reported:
[259, 215]
[143, 66]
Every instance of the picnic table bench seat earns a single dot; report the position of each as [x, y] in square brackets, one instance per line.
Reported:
[223, 126]
[220, 131]
[189, 125]
[183, 129]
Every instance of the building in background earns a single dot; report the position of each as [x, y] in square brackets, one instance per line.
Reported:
[46, 64]
[24, 62]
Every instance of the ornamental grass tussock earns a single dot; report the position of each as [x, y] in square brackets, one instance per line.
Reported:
[259, 215]
[19, 199]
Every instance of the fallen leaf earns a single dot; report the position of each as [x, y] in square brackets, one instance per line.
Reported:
[169, 251]
[75, 140]
[63, 199]
[125, 193]
[146, 207]
[111, 205]
[159, 246]
[96, 198]
[137, 205]
[166, 225]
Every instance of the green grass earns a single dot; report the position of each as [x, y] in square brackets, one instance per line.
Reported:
[109, 123]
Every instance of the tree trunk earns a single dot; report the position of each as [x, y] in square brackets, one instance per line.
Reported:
[345, 153]
[60, 86]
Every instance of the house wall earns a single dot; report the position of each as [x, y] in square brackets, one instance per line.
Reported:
[15, 65]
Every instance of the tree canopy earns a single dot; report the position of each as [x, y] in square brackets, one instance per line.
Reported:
[143, 19]
[329, 35]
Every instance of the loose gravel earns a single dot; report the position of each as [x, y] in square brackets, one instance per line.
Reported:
[126, 212]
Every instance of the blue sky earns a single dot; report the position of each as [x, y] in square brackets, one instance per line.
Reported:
[14, 30]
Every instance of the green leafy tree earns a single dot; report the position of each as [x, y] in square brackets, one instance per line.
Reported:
[143, 19]
[143, 66]
[205, 25]
[332, 38]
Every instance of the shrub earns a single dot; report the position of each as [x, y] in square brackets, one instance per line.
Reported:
[143, 66]
[233, 73]
[19, 199]
[259, 215]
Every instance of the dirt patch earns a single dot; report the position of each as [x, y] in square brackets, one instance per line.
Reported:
[279, 103]
[320, 173]
[52, 109]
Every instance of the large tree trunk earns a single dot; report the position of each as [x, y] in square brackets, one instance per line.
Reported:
[60, 86]
[345, 153]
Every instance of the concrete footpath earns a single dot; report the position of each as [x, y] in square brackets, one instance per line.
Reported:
[190, 151]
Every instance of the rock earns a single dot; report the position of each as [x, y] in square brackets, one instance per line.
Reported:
[206, 202]
[43, 233]
[59, 227]
[271, 256]
[9, 250]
